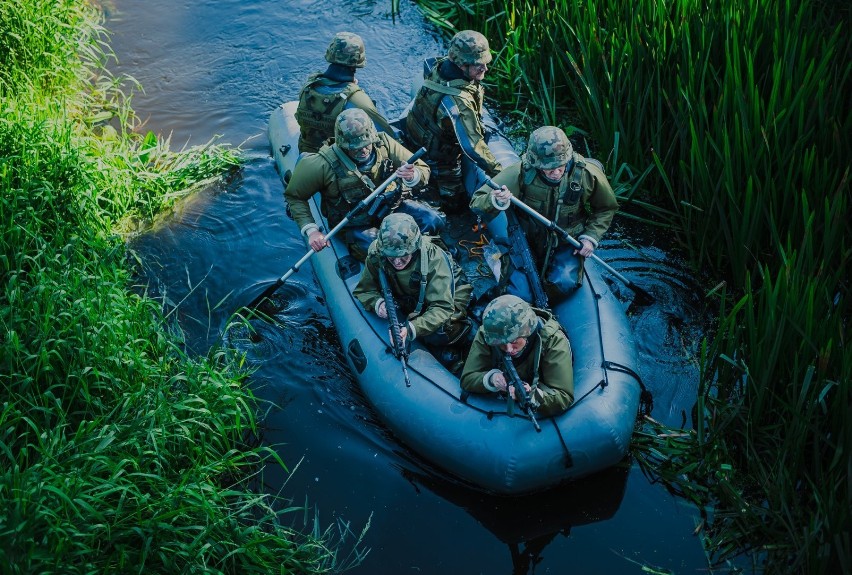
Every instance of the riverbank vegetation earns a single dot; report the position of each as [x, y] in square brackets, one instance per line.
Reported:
[737, 118]
[118, 452]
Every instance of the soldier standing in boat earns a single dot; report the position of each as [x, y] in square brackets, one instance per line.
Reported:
[328, 93]
[430, 288]
[446, 117]
[345, 170]
[564, 187]
[539, 350]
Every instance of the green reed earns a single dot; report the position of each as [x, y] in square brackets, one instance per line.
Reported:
[736, 117]
[118, 452]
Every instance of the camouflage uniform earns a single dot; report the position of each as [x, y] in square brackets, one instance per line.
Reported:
[546, 362]
[326, 94]
[582, 203]
[339, 181]
[428, 125]
[431, 291]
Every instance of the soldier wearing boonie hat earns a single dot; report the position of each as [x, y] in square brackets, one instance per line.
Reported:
[539, 348]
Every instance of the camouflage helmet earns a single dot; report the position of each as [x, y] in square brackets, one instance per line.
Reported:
[353, 129]
[398, 236]
[507, 318]
[469, 47]
[548, 148]
[346, 49]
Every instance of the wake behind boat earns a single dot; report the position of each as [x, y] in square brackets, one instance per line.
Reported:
[475, 437]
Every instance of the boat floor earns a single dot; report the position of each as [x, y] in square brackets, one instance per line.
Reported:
[471, 246]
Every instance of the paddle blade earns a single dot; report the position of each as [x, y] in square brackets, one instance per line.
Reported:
[642, 298]
[266, 293]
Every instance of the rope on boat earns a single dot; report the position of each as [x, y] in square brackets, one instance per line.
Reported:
[646, 400]
[569, 459]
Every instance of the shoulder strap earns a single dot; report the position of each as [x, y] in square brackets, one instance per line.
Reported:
[421, 297]
[350, 165]
[574, 187]
[443, 89]
[536, 363]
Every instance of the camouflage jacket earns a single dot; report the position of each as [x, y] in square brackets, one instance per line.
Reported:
[445, 295]
[547, 367]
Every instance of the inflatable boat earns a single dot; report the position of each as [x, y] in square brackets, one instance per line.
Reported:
[478, 438]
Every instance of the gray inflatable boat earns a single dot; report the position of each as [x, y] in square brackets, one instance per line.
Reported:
[474, 438]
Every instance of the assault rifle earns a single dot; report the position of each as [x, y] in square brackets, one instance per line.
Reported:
[385, 202]
[399, 350]
[520, 248]
[521, 395]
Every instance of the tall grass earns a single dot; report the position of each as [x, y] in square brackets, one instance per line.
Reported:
[118, 452]
[741, 110]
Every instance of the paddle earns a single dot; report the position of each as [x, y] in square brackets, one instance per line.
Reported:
[640, 293]
[352, 213]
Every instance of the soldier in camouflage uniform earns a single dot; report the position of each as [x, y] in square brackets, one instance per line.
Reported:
[347, 169]
[446, 117]
[564, 187]
[430, 289]
[540, 352]
[328, 93]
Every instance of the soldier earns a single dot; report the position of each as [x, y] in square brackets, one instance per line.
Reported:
[446, 117]
[328, 93]
[346, 170]
[430, 289]
[540, 353]
[564, 187]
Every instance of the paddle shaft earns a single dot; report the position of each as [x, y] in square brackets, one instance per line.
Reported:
[551, 225]
[352, 213]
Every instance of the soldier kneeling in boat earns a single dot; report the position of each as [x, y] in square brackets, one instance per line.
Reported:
[539, 350]
[430, 288]
[346, 170]
[564, 187]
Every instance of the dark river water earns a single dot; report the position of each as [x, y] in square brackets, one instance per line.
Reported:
[217, 68]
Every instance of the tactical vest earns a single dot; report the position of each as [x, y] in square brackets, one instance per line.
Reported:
[317, 111]
[348, 187]
[568, 211]
[423, 126]
[412, 280]
[408, 282]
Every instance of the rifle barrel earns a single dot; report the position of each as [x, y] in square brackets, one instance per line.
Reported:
[399, 350]
[520, 392]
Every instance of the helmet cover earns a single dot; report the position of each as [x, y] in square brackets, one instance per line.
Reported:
[507, 318]
[548, 148]
[346, 49]
[354, 129]
[469, 47]
[399, 236]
